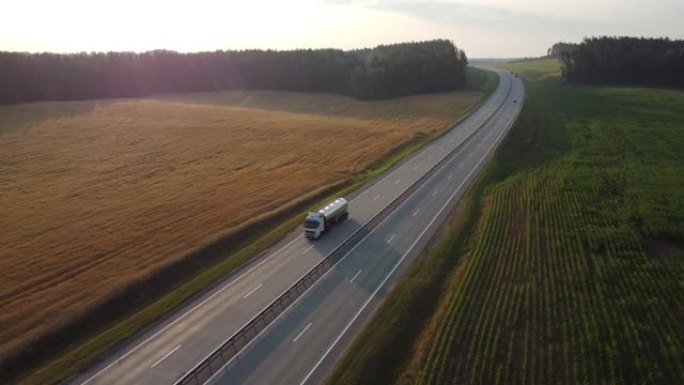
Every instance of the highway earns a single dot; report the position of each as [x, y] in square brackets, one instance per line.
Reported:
[303, 343]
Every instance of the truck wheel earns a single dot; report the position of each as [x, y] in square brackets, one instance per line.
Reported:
[344, 217]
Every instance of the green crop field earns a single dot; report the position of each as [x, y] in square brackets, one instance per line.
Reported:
[576, 270]
[567, 264]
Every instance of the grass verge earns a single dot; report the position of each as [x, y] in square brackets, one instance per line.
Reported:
[208, 265]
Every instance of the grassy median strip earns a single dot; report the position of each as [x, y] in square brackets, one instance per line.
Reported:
[255, 240]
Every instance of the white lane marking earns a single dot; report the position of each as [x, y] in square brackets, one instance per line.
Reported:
[229, 284]
[253, 290]
[397, 181]
[370, 298]
[390, 238]
[355, 275]
[166, 355]
[450, 176]
[414, 168]
[435, 192]
[307, 249]
[416, 212]
[302, 332]
[376, 198]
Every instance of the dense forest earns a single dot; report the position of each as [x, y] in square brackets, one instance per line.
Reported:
[614, 60]
[382, 72]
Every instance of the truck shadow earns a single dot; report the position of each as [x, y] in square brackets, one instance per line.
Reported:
[334, 237]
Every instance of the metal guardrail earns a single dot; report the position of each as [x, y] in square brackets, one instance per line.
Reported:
[231, 347]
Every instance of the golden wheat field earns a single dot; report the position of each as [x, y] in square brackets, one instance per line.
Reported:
[95, 195]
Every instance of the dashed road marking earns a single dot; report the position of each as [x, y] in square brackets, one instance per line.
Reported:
[302, 332]
[166, 355]
[253, 290]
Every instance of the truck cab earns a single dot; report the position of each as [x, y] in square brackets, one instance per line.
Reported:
[316, 223]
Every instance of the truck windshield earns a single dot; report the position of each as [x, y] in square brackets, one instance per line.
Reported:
[310, 224]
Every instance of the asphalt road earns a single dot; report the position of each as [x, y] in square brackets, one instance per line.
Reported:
[302, 344]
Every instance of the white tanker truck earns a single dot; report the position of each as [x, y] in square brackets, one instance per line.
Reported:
[316, 223]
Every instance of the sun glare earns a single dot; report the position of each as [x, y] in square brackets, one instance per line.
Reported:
[132, 25]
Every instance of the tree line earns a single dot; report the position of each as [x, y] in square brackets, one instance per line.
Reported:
[615, 60]
[381, 72]
[559, 49]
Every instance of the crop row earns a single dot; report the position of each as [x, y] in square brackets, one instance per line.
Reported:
[559, 291]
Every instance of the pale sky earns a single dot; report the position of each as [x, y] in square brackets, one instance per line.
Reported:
[483, 28]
